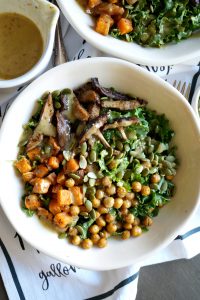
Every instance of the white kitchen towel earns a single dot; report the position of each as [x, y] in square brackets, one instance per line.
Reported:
[29, 274]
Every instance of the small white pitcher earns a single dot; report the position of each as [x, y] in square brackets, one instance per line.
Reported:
[45, 16]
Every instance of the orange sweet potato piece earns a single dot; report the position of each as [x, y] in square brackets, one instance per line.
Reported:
[54, 207]
[71, 166]
[103, 24]
[23, 165]
[77, 195]
[34, 153]
[41, 171]
[27, 176]
[41, 186]
[93, 3]
[64, 197]
[125, 26]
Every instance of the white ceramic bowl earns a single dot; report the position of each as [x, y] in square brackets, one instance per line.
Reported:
[125, 77]
[45, 16]
[168, 55]
[196, 101]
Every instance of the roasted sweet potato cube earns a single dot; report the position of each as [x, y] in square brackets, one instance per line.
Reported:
[52, 178]
[93, 3]
[23, 165]
[71, 166]
[54, 207]
[56, 188]
[32, 202]
[77, 195]
[64, 197]
[41, 186]
[34, 153]
[61, 178]
[62, 219]
[103, 24]
[41, 171]
[27, 176]
[125, 26]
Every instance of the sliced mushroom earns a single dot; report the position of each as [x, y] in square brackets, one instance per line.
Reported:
[93, 110]
[120, 123]
[107, 92]
[108, 8]
[89, 96]
[123, 105]
[44, 127]
[93, 127]
[79, 111]
[63, 130]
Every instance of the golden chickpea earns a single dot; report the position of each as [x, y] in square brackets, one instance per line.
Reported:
[129, 218]
[127, 204]
[111, 190]
[145, 191]
[136, 186]
[102, 210]
[113, 164]
[109, 218]
[124, 211]
[104, 234]
[136, 221]
[108, 202]
[127, 226]
[169, 177]
[101, 222]
[147, 221]
[95, 238]
[136, 231]
[146, 164]
[130, 196]
[96, 202]
[69, 182]
[155, 178]
[72, 231]
[121, 192]
[106, 181]
[111, 227]
[102, 243]
[76, 240]
[94, 229]
[87, 244]
[118, 203]
[126, 234]
[99, 194]
[97, 214]
[74, 210]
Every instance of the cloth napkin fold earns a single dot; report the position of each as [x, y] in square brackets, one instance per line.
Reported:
[29, 274]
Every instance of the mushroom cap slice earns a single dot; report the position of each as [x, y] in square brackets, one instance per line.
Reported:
[123, 122]
[123, 105]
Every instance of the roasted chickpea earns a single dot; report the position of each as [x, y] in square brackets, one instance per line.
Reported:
[104, 234]
[72, 231]
[87, 244]
[101, 222]
[136, 231]
[136, 186]
[130, 196]
[145, 191]
[69, 182]
[99, 194]
[94, 229]
[146, 164]
[74, 210]
[109, 218]
[76, 240]
[155, 178]
[147, 221]
[126, 234]
[111, 227]
[108, 202]
[121, 192]
[111, 190]
[102, 242]
[126, 203]
[127, 226]
[96, 202]
[102, 210]
[136, 221]
[118, 203]
[129, 218]
[95, 238]
[124, 211]
[106, 181]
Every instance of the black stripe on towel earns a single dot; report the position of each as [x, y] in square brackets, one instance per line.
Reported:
[120, 285]
[193, 85]
[12, 270]
[187, 234]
